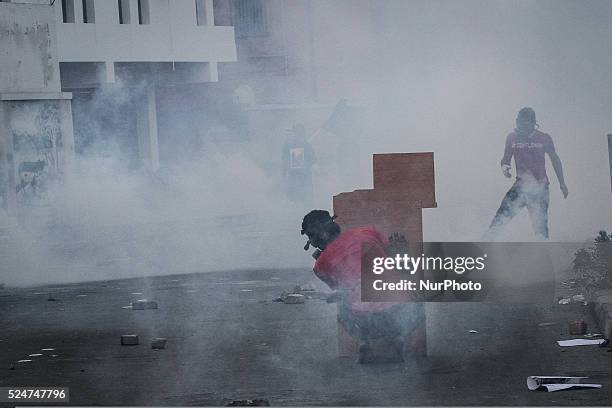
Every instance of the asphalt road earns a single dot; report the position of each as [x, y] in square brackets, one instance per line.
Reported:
[228, 340]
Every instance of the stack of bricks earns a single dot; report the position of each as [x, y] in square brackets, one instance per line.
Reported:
[404, 184]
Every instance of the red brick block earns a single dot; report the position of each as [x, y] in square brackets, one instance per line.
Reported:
[412, 173]
[403, 185]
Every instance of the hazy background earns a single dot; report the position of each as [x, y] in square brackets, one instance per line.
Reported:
[441, 76]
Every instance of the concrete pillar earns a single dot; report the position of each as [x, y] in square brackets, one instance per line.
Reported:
[147, 130]
[109, 72]
[67, 153]
[213, 71]
[7, 158]
[210, 16]
[133, 5]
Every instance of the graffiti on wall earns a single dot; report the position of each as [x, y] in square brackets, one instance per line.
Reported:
[37, 140]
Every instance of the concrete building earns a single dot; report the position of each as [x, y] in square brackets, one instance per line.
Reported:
[154, 81]
[36, 138]
[115, 56]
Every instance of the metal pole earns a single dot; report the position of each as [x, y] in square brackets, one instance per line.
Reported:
[610, 157]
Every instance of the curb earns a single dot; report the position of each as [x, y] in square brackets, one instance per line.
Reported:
[602, 311]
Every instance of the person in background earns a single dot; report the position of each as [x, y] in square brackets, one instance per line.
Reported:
[298, 157]
[528, 146]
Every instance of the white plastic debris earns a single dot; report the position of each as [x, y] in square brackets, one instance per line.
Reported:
[24, 361]
[555, 383]
[34, 355]
[129, 340]
[580, 342]
[565, 301]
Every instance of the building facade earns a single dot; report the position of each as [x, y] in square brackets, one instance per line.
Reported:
[36, 138]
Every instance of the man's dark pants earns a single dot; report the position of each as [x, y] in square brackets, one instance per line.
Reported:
[534, 196]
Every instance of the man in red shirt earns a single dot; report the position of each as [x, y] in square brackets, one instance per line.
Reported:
[528, 147]
[338, 264]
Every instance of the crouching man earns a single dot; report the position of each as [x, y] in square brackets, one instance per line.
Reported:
[384, 331]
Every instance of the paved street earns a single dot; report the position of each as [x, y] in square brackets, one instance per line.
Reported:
[227, 340]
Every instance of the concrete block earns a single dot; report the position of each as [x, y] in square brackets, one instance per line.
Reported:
[158, 343]
[144, 304]
[294, 299]
[129, 340]
[578, 327]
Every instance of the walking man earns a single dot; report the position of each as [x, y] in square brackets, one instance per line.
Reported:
[528, 147]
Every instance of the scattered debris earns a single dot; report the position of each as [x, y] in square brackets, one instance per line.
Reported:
[302, 292]
[34, 355]
[569, 284]
[593, 335]
[473, 331]
[565, 301]
[307, 287]
[554, 383]
[546, 324]
[129, 340]
[249, 403]
[144, 304]
[294, 299]
[47, 349]
[580, 342]
[24, 361]
[158, 343]
[578, 327]
[578, 298]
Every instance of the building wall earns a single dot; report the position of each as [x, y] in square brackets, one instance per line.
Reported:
[172, 34]
[28, 49]
[35, 116]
